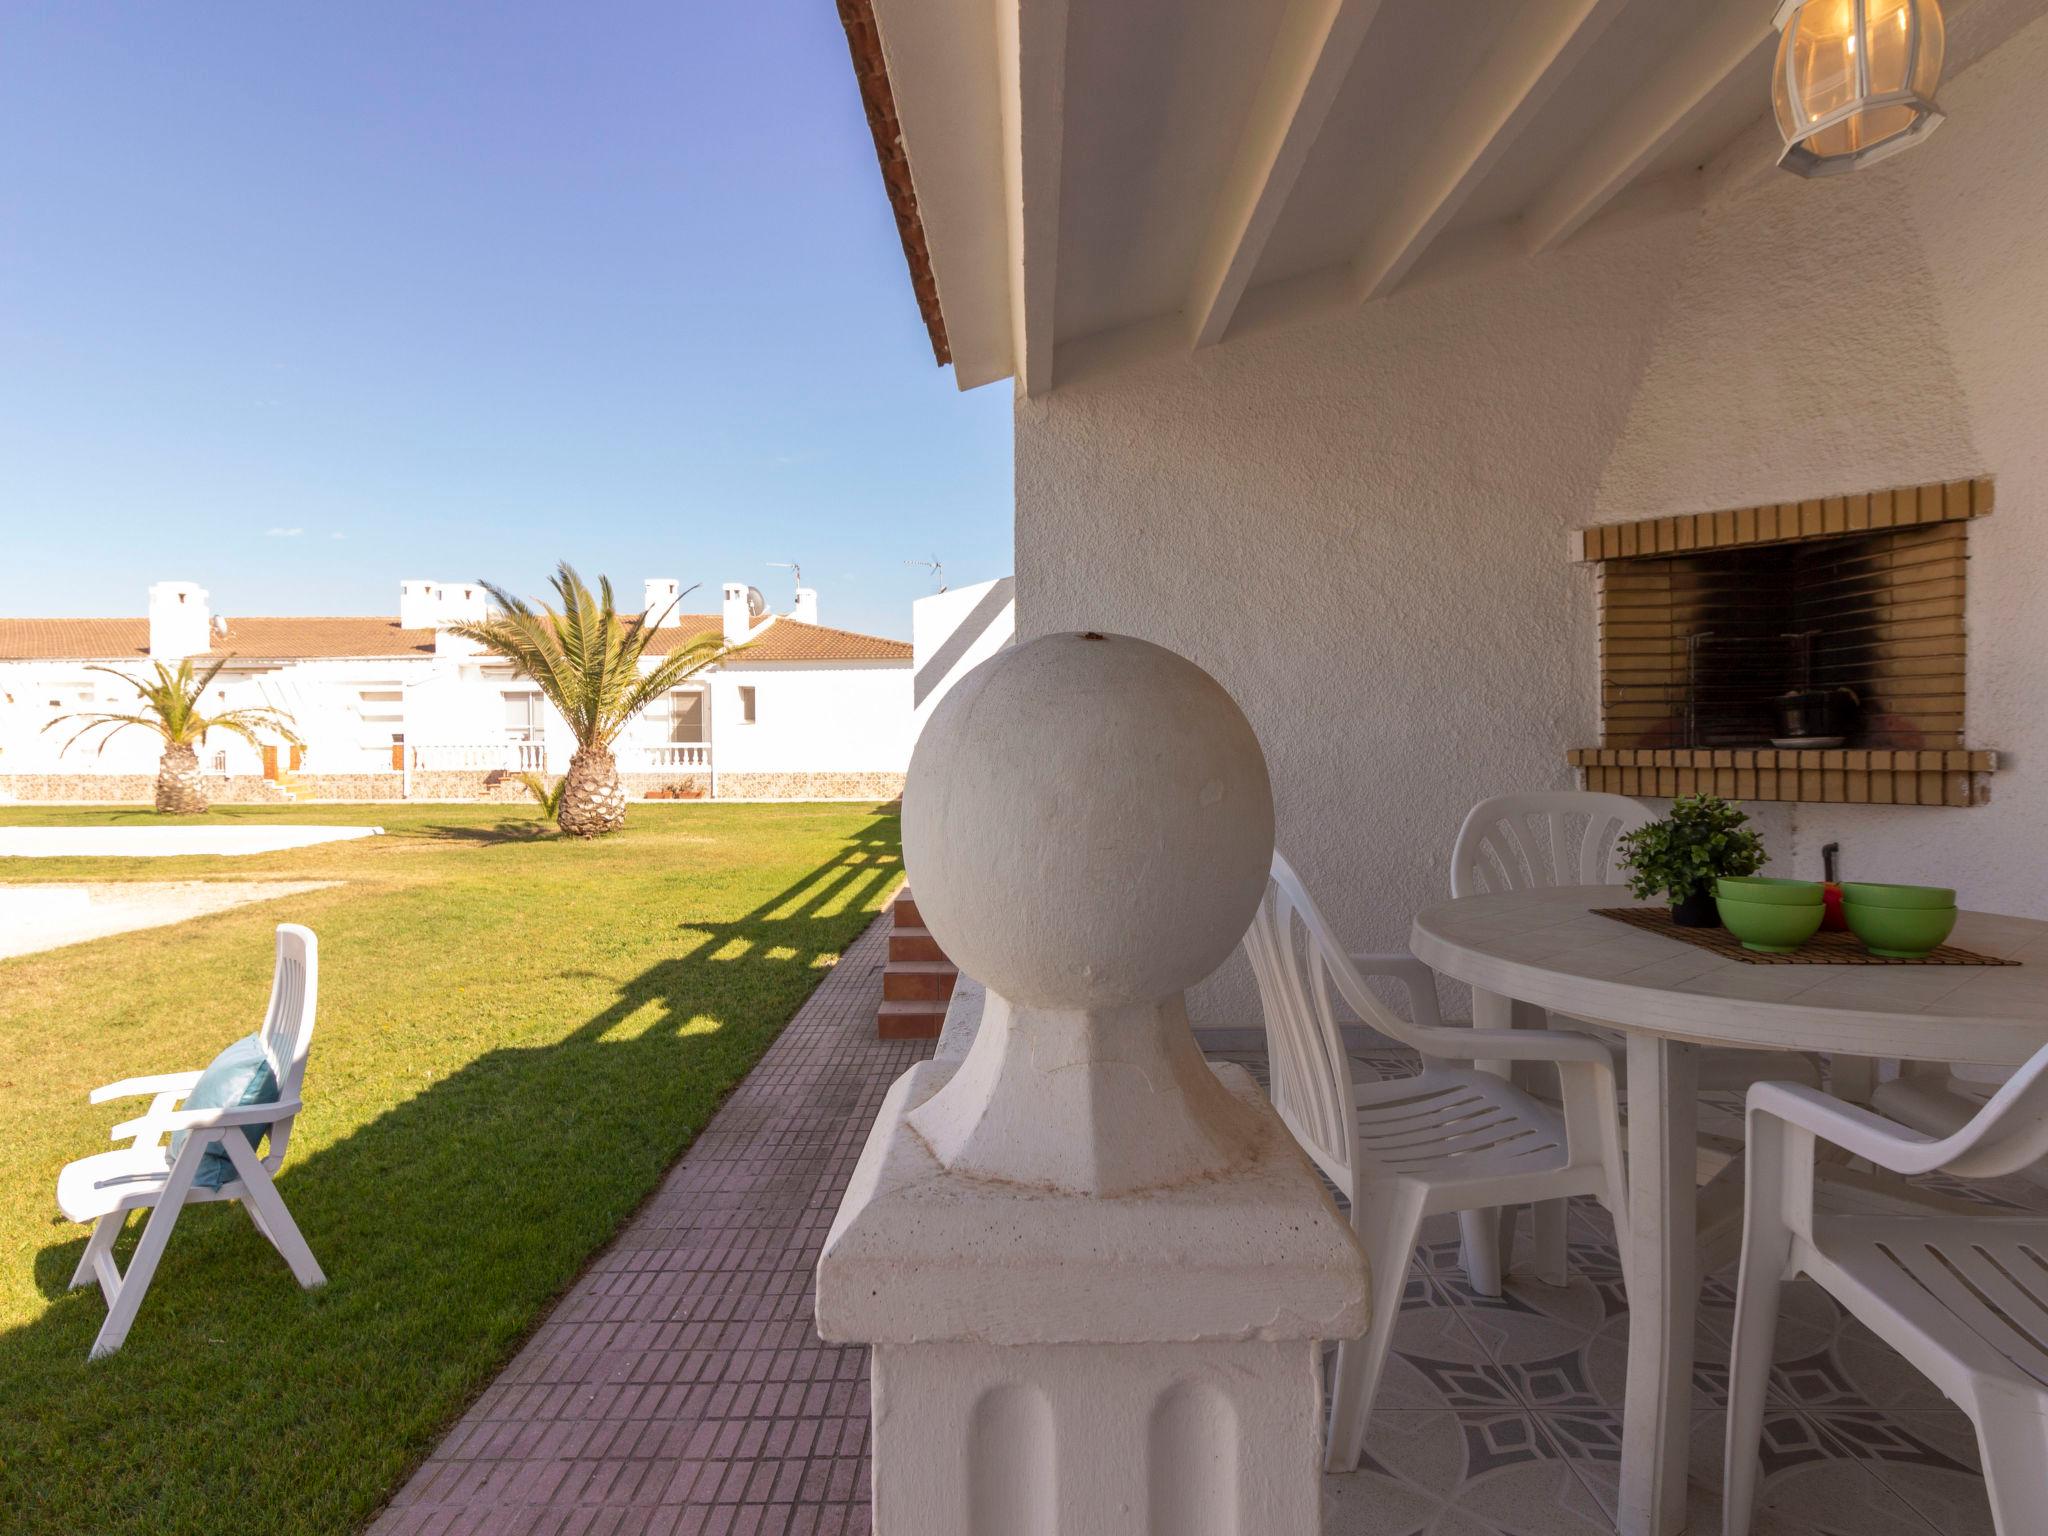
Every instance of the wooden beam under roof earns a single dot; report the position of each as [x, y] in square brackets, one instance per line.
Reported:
[1032, 79]
[1536, 50]
[1311, 57]
[1648, 120]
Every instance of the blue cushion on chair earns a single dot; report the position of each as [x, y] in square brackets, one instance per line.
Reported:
[238, 1076]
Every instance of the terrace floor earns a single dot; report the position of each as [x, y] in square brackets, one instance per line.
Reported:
[679, 1386]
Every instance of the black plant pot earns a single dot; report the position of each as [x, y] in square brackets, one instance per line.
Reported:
[1697, 911]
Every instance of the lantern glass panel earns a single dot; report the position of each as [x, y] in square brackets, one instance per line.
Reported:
[1933, 45]
[1888, 44]
[1822, 62]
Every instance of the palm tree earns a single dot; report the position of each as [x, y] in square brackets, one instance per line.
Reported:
[545, 795]
[586, 661]
[170, 707]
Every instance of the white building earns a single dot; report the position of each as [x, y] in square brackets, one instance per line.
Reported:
[398, 706]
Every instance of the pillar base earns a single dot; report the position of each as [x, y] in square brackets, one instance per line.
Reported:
[1060, 1363]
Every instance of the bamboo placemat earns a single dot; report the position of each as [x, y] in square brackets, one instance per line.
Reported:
[1824, 948]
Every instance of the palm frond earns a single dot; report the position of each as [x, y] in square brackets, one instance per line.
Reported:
[545, 795]
[116, 724]
[583, 655]
[171, 703]
[676, 667]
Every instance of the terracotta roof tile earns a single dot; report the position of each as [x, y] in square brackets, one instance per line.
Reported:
[785, 640]
[313, 638]
[275, 638]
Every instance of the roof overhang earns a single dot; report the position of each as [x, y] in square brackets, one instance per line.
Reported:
[1104, 179]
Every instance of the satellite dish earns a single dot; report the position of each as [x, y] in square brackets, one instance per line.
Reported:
[757, 603]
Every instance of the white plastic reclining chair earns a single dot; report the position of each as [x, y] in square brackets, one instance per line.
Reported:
[1964, 1298]
[104, 1188]
[1450, 1139]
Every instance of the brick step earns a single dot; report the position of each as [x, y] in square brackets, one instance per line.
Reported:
[909, 1020]
[905, 981]
[903, 912]
[914, 944]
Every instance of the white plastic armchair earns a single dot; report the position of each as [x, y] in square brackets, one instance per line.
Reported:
[1546, 838]
[104, 1188]
[1535, 841]
[1449, 1139]
[1964, 1298]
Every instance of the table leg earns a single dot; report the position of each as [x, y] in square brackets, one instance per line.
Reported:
[1853, 1078]
[1663, 1284]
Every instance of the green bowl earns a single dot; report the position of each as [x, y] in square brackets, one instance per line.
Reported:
[1904, 933]
[1771, 927]
[1764, 889]
[1916, 897]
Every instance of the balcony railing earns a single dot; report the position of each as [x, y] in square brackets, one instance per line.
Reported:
[481, 757]
[666, 756]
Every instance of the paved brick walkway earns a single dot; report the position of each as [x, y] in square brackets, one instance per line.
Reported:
[679, 1387]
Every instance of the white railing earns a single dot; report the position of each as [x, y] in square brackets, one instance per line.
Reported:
[480, 757]
[218, 763]
[669, 755]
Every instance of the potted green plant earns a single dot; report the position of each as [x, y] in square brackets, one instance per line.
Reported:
[1704, 838]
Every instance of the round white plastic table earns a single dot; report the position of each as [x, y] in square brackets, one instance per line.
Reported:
[1547, 948]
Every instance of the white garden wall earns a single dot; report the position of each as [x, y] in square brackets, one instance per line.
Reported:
[1359, 526]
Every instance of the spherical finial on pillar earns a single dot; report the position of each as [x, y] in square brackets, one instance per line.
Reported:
[1088, 825]
[1088, 822]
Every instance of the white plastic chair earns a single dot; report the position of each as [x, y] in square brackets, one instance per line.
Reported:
[1522, 842]
[1450, 1139]
[1544, 840]
[1541, 840]
[1964, 1298]
[1941, 1097]
[105, 1187]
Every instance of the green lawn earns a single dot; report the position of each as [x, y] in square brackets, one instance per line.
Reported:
[517, 1034]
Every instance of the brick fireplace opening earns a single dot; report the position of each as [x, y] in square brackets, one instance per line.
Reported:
[1798, 651]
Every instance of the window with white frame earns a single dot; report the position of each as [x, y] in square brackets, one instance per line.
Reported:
[686, 716]
[381, 706]
[523, 718]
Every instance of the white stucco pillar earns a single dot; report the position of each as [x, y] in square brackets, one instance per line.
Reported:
[1095, 1271]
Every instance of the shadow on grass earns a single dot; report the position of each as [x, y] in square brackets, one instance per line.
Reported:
[534, 831]
[446, 1225]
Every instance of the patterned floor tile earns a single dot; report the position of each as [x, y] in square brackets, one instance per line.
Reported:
[1491, 1471]
[679, 1386]
[1806, 1489]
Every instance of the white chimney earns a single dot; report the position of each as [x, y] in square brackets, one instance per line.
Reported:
[179, 623]
[739, 618]
[806, 609]
[431, 604]
[464, 601]
[416, 604]
[662, 593]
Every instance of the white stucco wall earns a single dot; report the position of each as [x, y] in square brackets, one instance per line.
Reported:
[1359, 525]
[952, 633]
[815, 717]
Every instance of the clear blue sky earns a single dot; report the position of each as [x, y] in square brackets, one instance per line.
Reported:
[300, 299]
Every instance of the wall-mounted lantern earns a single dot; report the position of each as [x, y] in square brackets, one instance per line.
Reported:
[1855, 80]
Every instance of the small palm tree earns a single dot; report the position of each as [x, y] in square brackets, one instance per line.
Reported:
[170, 707]
[545, 795]
[586, 660]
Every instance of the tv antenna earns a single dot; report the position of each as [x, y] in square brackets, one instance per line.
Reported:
[796, 572]
[938, 571]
